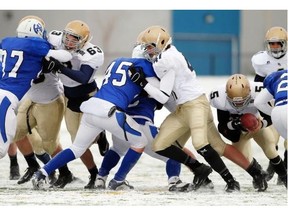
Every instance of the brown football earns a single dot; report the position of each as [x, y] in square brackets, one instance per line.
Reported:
[249, 121]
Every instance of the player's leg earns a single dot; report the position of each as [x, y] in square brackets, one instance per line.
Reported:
[110, 160]
[265, 139]
[8, 121]
[14, 166]
[25, 124]
[171, 129]
[132, 132]
[72, 120]
[49, 118]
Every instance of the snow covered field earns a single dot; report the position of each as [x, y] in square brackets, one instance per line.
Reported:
[150, 182]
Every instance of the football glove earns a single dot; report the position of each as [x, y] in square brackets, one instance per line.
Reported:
[137, 76]
[51, 64]
[236, 124]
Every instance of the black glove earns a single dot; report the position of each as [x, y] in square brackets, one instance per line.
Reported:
[137, 76]
[51, 65]
[67, 64]
[236, 124]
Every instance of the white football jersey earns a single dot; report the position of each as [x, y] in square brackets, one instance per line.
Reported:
[264, 64]
[186, 87]
[45, 89]
[218, 99]
[89, 55]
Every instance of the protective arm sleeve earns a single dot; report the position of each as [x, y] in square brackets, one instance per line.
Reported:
[261, 101]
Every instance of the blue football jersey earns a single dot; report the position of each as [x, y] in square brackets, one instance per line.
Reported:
[21, 63]
[117, 86]
[143, 106]
[277, 84]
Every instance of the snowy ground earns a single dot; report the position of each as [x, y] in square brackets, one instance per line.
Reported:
[150, 182]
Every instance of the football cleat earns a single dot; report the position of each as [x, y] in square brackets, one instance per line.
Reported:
[259, 182]
[52, 178]
[270, 172]
[201, 173]
[208, 184]
[38, 180]
[28, 175]
[91, 183]
[100, 183]
[63, 180]
[119, 185]
[282, 180]
[178, 186]
[232, 185]
[14, 172]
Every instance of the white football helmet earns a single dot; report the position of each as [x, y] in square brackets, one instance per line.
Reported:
[31, 26]
[276, 35]
[75, 35]
[238, 91]
[138, 51]
[154, 39]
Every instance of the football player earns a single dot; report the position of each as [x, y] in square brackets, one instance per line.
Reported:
[106, 110]
[22, 58]
[43, 101]
[79, 82]
[232, 101]
[142, 109]
[274, 58]
[193, 112]
[78, 79]
[275, 87]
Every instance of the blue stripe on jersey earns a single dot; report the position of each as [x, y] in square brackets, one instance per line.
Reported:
[3, 110]
[153, 130]
[121, 119]
[142, 106]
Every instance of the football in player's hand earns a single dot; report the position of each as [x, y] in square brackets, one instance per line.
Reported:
[249, 121]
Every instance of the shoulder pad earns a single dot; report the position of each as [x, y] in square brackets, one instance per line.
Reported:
[91, 54]
[217, 97]
[55, 38]
[260, 58]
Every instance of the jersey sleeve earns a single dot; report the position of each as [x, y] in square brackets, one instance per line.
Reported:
[217, 97]
[55, 38]
[259, 61]
[91, 55]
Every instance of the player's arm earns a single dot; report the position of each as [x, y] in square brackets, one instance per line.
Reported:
[60, 55]
[258, 78]
[228, 127]
[161, 93]
[82, 76]
[262, 102]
